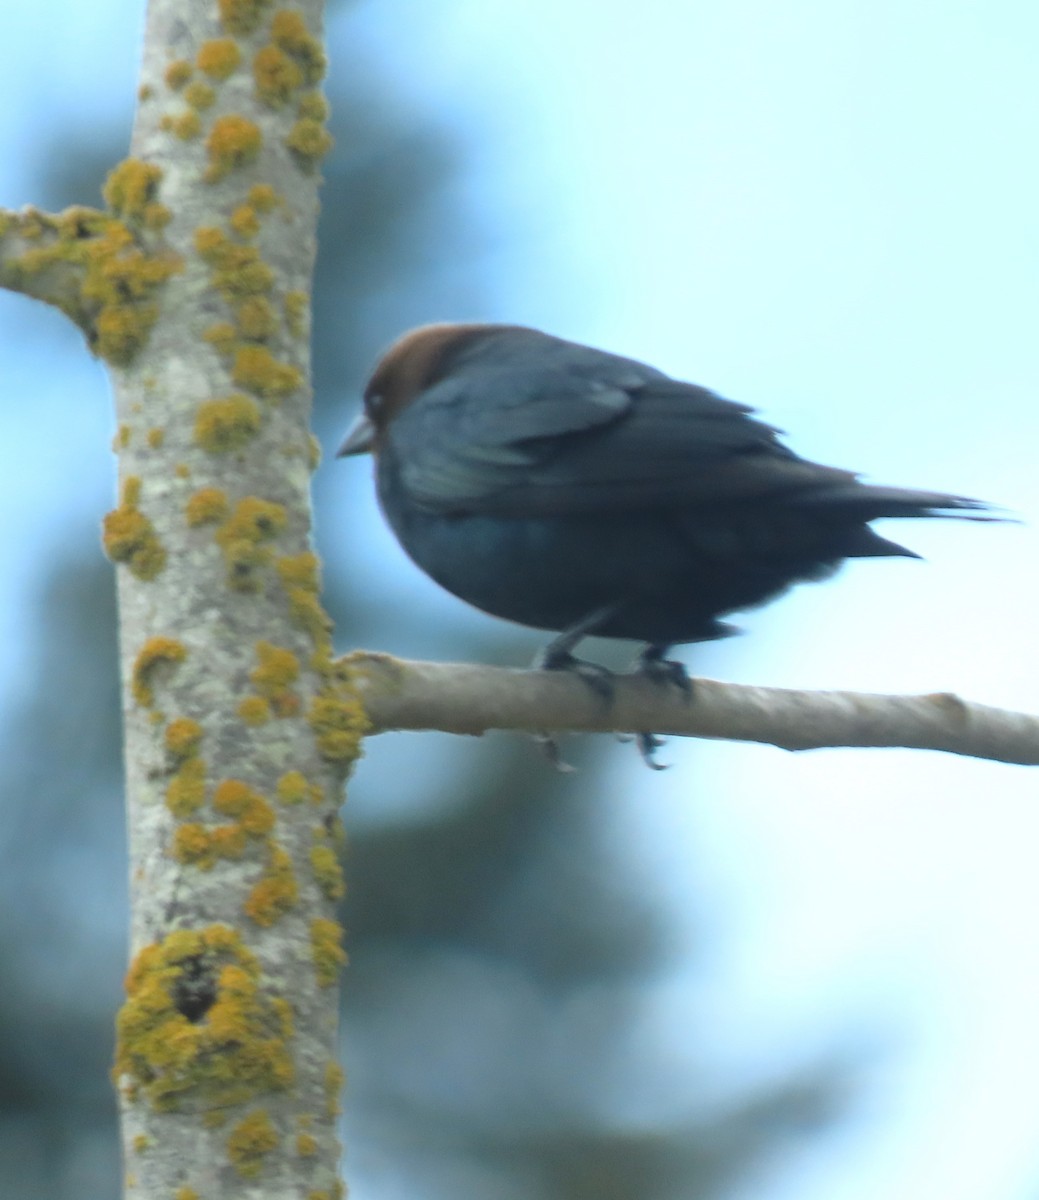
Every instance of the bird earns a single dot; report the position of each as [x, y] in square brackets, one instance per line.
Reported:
[580, 492]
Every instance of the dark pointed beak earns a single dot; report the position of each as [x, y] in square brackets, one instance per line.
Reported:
[360, 438]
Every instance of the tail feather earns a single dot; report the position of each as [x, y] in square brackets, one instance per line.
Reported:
[869, 502]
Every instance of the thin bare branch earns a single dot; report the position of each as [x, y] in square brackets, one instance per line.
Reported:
[459, 698]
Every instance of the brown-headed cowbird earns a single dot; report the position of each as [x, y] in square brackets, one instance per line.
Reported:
[573, 490]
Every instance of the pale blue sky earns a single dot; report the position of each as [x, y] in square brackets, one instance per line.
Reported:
[826, 209]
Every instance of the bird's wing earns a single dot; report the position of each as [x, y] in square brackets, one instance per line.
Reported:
[506, 443]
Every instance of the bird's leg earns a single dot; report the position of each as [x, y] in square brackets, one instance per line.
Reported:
[669, 671]
[558, 656]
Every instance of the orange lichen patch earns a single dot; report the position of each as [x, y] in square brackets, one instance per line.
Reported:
[123, 438]
[129, 537]
[289, 33]
[249, 1143]
[197, 1031]
[186, 791]
[339, 723]
[186, 1193]
[292, 788]
[202, 846]
[183, 737]
[241, 16]
[278, 669]
[200, 95]
[245, 221]
[297, 310]
[155, 437]
[306, 1145]
[313, 105]
[254, 710]
[226, 424]
[114, 302]
[234, 141]
[233, 798]
[286, 704]
[186, 125]
[258, 371]
[221, 335]
[156, 653]
[327, 953]
[131, 187]
[242, 536]
[256, 318]
[334, 1080]
[275, 892]
[238, 271]
[276, 74]
[300, 570]
[263, 197]
[309, 142]
[218, 58]
[177, 74]
[324, 862]
[207, 505]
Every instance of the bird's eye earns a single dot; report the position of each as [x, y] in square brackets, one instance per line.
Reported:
[373, 404]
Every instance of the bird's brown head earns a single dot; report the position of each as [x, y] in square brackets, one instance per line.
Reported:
[415, 361]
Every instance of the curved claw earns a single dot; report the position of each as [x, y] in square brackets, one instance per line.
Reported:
[668, 672]
[649, 744]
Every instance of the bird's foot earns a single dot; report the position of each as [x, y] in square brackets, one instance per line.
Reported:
[647, 745]
[668, 672]
[598, 678]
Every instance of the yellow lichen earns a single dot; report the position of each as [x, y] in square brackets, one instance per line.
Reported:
[292, 788]
[263, 197]
[256, 318]
[218, 58]
[119, 281]
[244, 221]
[334, 1079]
[123, 438]
[186, 1193]
[222, 335]
[313, 105]
[226, 424]
[241, 16]
[155, 437]
[186, 125]
[238, 271]
[197, 1030]
[183, 737]
[234, 141]
[131, 186]
[327, 953]
[275, 893]
[254, 710]
[289, 33]
[278, 669]
[329, 874]
[157, 652]
[207, 505]
[297, 309]
[339, 723]
[258, 371]
[182, 471]
[233, 798]
[309, 142]
[276, 75]
[200, 95]
[242, 536]
[306, 1145]
[249, 1143]
[186, 791]
[178, 73]
[129, 537]
[141, 1142]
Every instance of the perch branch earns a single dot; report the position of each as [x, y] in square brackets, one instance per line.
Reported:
[460, 698]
